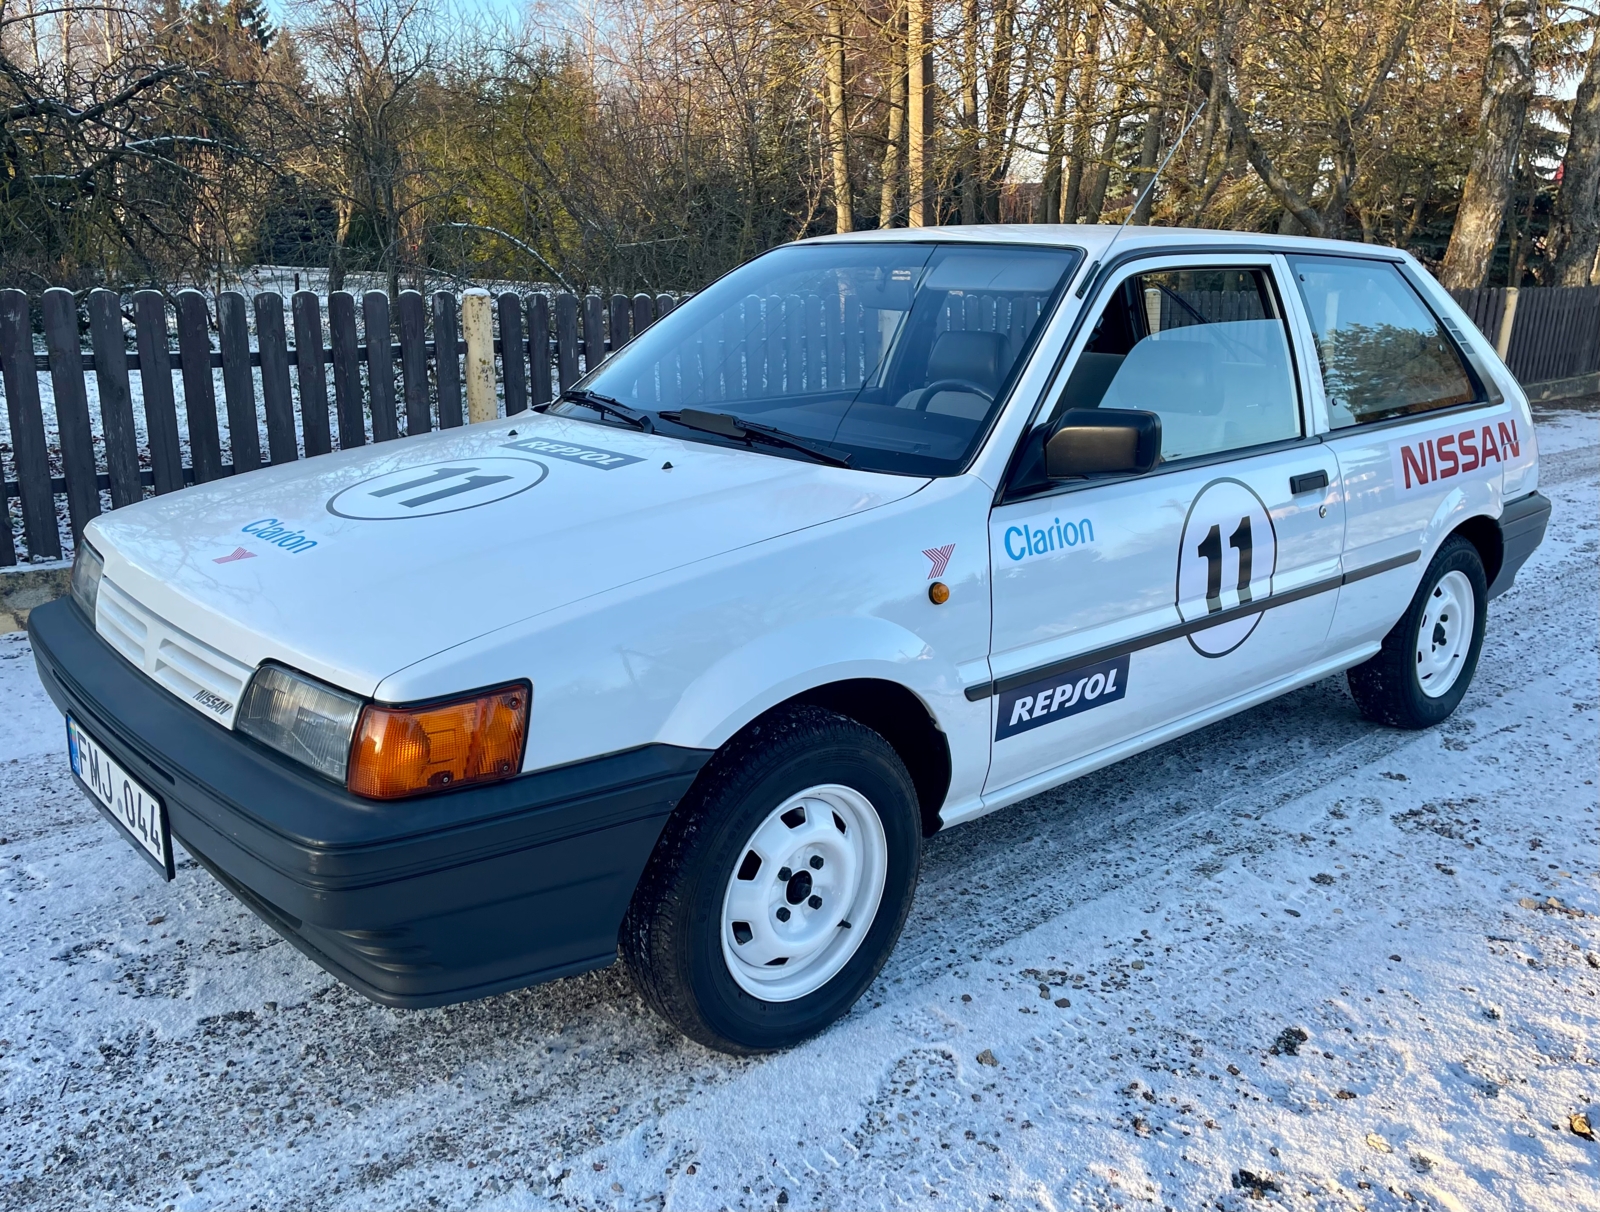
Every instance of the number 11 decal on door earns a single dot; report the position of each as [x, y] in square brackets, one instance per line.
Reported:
[1226, 559]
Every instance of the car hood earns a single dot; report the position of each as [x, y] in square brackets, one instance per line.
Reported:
[353, 565]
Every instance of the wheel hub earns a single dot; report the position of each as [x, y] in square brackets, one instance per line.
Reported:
[798, 887]
[1445, 635]
[803, 891]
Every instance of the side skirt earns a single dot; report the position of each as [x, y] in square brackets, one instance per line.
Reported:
[1002, 797]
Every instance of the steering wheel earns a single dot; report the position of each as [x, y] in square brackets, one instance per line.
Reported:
[938, 385]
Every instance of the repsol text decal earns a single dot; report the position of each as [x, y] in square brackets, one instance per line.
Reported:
[1034, 537]
[1423, 461]
[589, 456]
[1050, 699]
[275, 533]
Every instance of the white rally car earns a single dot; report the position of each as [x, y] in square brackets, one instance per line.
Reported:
[875, 535]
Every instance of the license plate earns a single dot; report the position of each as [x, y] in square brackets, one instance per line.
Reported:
[132, 806]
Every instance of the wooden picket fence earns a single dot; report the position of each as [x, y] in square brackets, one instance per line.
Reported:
[1543, 333]
[543, 343]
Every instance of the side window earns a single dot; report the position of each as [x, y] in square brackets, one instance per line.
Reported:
[1383, 353]
[1205, 349]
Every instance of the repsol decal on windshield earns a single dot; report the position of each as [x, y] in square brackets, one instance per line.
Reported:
[274, 532]
[1034, 537]
[1422, 461]
[589, 456]
[430, 489]
[1070, 693]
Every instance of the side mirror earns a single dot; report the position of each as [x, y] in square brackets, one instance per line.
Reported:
[1102, 442]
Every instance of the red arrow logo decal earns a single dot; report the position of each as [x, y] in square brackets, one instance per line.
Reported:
[239, 553]
[940, 558]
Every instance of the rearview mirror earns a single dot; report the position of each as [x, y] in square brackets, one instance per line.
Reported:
[1102, 442]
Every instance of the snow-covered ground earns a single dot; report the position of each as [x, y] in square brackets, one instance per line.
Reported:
[1294, 956]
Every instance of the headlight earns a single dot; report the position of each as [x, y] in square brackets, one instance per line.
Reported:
[301, 718]
[87, 568]
[401, 751]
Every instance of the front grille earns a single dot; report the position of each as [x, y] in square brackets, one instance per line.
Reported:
[209, 681]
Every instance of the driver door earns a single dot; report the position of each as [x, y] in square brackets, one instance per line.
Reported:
[1127, 603]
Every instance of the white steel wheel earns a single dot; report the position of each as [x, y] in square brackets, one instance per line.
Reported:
[1444, 635]
[803, 893]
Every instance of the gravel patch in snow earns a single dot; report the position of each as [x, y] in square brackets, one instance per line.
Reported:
[1293, 957]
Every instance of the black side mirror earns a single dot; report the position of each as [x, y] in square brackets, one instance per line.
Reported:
[1102, 442]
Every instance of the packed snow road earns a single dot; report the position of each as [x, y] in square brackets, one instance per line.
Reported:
[1294, 956]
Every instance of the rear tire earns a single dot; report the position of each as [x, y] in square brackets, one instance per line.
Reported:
[1428, 658]
[740, 959]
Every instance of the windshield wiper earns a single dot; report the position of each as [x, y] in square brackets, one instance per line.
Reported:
[606, 406]
[729, 426]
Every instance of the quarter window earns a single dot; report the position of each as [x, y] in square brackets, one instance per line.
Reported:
[1205, 349]
[1383, 353]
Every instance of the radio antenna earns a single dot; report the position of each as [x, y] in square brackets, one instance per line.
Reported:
[1144, 193]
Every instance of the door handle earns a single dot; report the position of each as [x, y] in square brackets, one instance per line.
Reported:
[1309, 482]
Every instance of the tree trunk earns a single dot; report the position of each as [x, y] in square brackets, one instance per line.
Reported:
[917, 84]
[1049, 208]
[895, 29]
[995, 159]
[1149, 157]
[838, 123]
[1507, 87]
[1083, 115]
[1575, 225]
[1101, 178]
[971, 172]
[1419, 206]
[341, 233]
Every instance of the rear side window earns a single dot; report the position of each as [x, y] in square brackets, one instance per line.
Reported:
[1204, 349]
[1383, 353]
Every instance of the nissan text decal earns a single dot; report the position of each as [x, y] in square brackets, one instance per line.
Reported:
[1438, 456]
[435, 488]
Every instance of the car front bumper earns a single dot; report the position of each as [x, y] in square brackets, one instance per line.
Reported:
[415, 902]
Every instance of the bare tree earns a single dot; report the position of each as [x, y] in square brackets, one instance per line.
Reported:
[1575, 224]
[833, 44]
[1507, 88]
[370, 58]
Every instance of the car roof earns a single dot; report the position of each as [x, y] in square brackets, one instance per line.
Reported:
[1095, 238]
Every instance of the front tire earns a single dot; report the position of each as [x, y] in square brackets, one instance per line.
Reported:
[779, 886]
[1428, 658]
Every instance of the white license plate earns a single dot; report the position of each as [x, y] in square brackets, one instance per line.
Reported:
[132, 806]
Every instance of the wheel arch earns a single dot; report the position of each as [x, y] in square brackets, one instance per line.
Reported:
[897, 715]
[1483, 532]
[894, 712]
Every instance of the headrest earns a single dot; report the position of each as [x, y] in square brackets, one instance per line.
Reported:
[979, 357]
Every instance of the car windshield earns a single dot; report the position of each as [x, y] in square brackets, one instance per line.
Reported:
[892, 356]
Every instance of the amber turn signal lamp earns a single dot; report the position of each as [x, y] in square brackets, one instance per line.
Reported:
[402, 751]
[938, 593]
